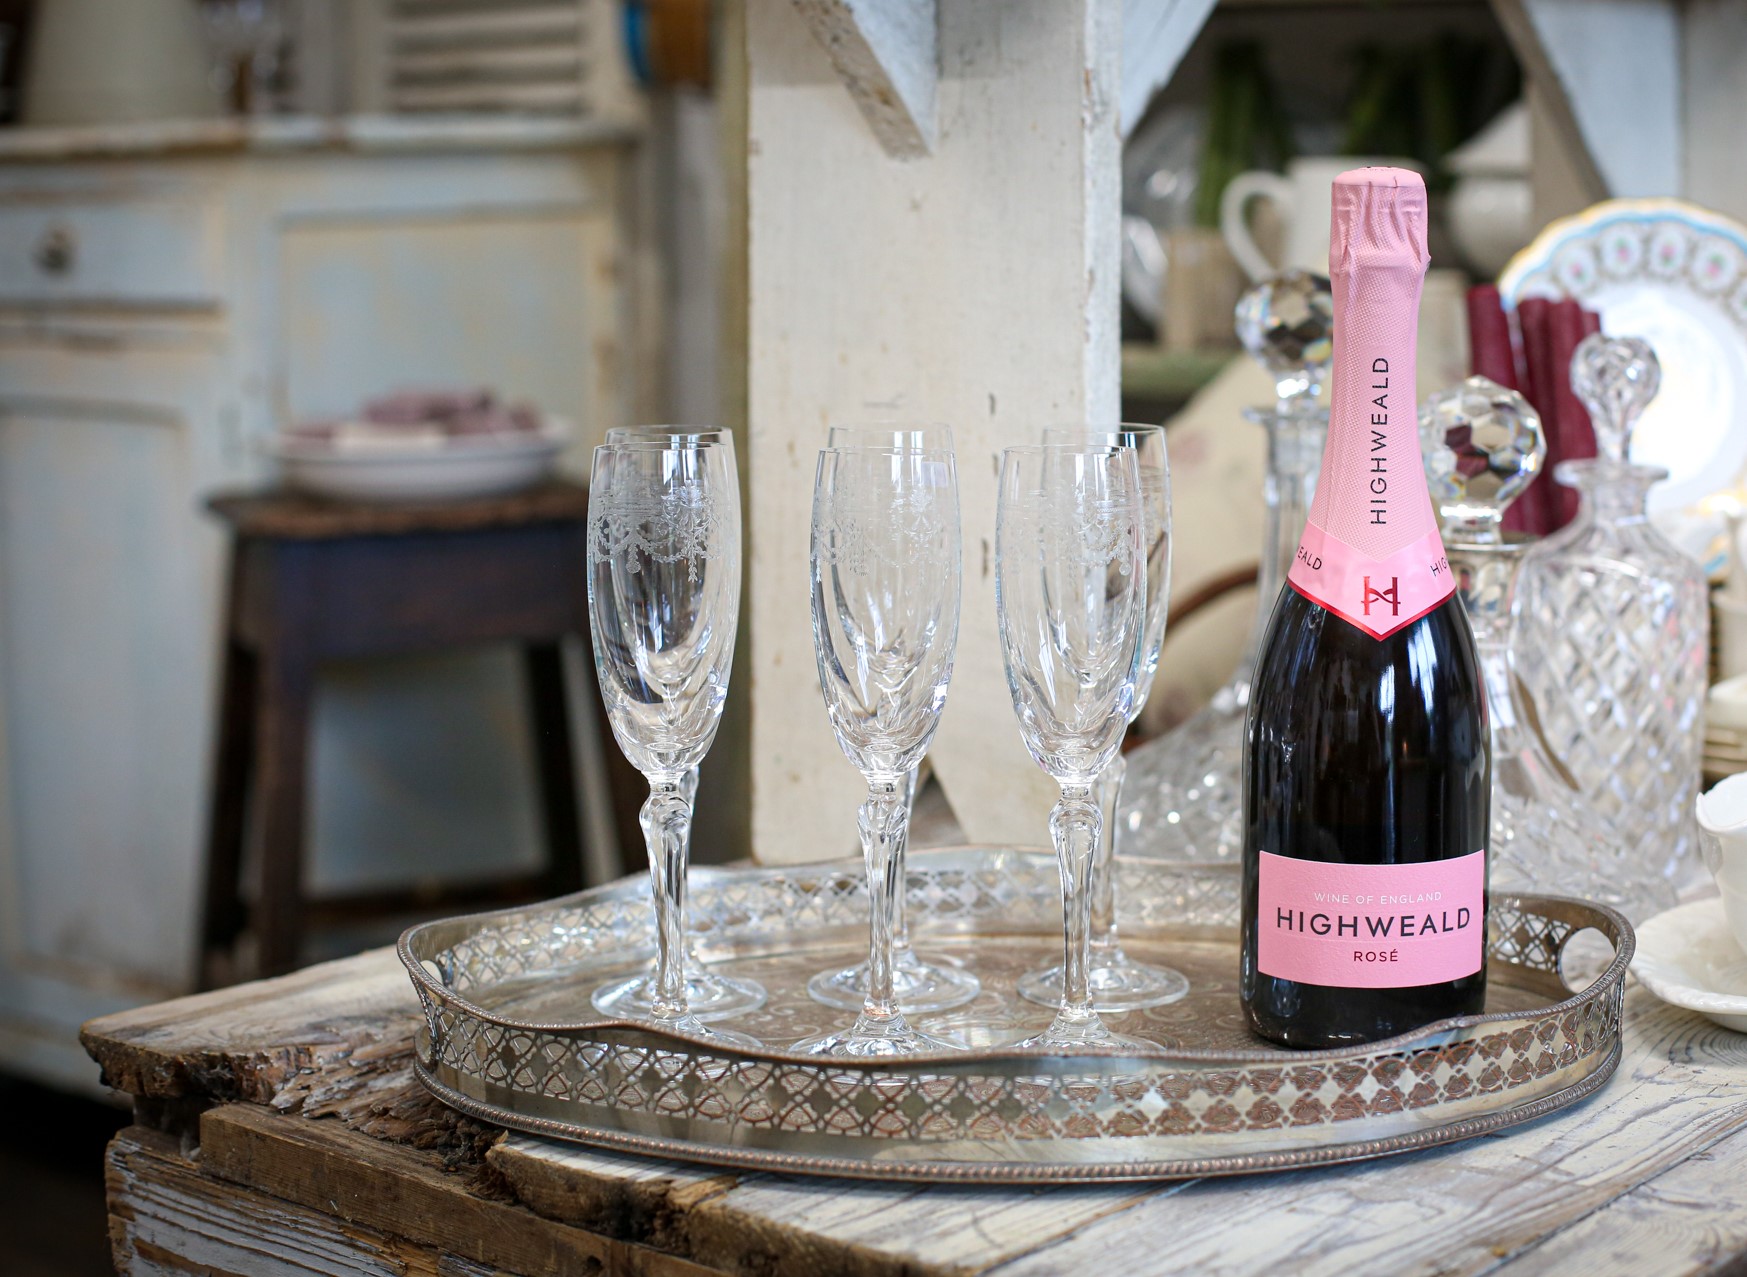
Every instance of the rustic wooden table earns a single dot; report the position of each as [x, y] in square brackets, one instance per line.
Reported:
[279, 1130]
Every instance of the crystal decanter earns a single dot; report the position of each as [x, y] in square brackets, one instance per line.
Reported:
[1616, 636]
[1482, 446]
[1183, 795]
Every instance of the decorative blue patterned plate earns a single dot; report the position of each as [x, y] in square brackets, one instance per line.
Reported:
[1676, 275]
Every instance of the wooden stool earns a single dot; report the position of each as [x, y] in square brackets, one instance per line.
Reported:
[313, 580]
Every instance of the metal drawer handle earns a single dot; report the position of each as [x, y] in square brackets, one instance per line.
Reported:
[54, 252]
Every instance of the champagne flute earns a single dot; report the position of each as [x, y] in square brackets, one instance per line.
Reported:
[1071, 594]
[886, 579]
[709, 995]
[935, 983]
[663, 601]
[1119, 983]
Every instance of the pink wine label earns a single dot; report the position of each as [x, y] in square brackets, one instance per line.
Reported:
[1371, 553]
[1371, 926]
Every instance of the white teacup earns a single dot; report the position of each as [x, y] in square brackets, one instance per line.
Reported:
[1722, 822]
[1301, 197]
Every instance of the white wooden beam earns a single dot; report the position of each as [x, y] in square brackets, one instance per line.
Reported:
[887, 52]
[976, 287]
[1610, 74]
[1155, 36]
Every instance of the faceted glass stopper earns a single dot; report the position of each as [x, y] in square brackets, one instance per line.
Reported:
[1287, 325]
[1615, 378]
[1483, 445]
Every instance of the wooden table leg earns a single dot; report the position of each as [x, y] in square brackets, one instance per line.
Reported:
[555, 766]
[287, 690]
[223, 914]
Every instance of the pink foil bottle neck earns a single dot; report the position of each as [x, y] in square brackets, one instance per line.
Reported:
[1371, 552]
[1378, 222]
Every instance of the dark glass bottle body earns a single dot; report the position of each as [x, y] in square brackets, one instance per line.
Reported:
[1361, 751]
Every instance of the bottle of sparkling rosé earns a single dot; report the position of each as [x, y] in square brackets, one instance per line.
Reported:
[1367, 773]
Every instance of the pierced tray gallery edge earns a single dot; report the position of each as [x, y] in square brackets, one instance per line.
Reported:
[510, 1036]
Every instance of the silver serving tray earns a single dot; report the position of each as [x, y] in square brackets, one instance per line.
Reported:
[510, 1036]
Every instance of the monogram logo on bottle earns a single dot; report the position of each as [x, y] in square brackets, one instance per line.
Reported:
[1391, 596]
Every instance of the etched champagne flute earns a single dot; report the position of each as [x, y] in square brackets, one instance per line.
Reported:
[935, 983]
[1119, 983]
[663, 601]
[1070, 594]
[710, 996]
[886, 579]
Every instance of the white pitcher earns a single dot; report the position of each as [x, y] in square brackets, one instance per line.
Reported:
[1722, 823]
[1302, 200]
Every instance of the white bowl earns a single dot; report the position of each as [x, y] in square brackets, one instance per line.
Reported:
[466, 467]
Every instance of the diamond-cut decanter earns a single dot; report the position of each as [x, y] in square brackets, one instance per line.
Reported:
[1616, 633]
[1482, 446]
[1183, 796]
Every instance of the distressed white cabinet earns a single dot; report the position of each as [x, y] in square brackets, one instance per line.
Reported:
[167, 297]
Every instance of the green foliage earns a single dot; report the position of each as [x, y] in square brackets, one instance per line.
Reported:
[1420, 101]
[1245, 127]
[1423, 101]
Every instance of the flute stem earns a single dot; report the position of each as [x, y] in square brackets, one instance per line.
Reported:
[901, 914]
[1074, 827]
[666, 819]
[885, 821]
[1107, 793]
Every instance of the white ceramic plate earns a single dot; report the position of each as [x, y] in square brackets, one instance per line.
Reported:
[1687, 957]
[1676, 275]
[474, 467]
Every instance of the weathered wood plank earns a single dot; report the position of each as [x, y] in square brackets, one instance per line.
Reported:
[633, 1198]
[165, 1217]
[796, 1228]
[363, 1182]
[1691, 1219]
[1577, 53]
[780, 1226]
[252, 1041]
[1155, 36]
[1460, 1209]
[887, 52]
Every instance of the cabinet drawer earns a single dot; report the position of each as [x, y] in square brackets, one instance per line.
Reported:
[126, 253]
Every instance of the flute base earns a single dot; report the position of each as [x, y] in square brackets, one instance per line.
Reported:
[708, 996]
[1074, 1033]
[919, 985]
[874, 1037]
[1117, 983]
[689, 1023]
